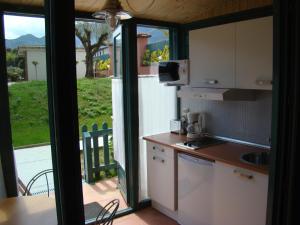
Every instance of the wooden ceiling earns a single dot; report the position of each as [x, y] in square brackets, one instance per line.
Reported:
[178, 11]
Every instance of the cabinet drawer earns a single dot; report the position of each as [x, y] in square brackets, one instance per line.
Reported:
[160, 150]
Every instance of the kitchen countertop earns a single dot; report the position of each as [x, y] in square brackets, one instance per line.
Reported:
[228, 152]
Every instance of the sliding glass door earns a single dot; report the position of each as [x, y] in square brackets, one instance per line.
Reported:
[118, 112]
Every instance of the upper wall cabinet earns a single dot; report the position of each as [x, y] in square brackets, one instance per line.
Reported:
[212, 57]
[254, 44]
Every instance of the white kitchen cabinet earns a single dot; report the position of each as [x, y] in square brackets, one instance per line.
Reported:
[161, 175]
[212, 56]
[240, 196]
[254, 55]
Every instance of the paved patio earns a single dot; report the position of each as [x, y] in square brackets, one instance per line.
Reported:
[103, 192]
[30, 161]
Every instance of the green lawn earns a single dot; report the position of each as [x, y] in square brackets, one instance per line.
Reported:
[29, 108]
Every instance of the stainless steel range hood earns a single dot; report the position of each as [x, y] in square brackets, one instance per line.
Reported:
[217, 94]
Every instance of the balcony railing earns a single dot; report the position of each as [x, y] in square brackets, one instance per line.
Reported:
[92, 152]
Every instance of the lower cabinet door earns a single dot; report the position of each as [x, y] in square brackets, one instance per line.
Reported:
[195, 190]
[161, 179]
[240, 196]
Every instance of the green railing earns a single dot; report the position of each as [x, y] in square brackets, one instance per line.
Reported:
[91, 153]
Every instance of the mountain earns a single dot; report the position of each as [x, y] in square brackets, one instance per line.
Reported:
[156, 34]
[31, 40]
[27, 39]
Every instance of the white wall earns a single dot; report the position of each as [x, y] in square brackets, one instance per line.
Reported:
[118, 121]
[157, 106]
[80, 66]
[39, 55]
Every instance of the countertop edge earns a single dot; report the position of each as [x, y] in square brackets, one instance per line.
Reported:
[240, 164]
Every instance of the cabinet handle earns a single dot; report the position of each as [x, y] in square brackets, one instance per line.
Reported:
[161, 160]
[208, 81]
[153, 147]
[264, 82]
[162, 150]
[244, 175]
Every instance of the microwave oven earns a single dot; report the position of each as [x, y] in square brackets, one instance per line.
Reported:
[174, 72]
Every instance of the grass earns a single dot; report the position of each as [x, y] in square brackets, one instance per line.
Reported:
[29, 108]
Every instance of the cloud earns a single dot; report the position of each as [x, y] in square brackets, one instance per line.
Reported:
[15, 26]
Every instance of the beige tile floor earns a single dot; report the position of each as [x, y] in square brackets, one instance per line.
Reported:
[103, 192]
[148, 216]
[106, 190]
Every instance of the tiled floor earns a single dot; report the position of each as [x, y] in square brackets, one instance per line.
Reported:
[106, 190]
[103, 192]
[148, 216]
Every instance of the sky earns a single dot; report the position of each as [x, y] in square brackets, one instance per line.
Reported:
[15, 26]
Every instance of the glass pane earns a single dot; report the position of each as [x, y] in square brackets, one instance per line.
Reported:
[28, 99]
[99, 91]
[152, 47]
[118, 116]
[118, 55]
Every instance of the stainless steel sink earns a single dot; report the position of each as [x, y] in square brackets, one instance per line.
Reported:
[256, 158]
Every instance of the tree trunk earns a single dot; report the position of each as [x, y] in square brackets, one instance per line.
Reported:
[89, 66]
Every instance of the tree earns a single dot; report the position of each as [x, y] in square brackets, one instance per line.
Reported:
[158, 55]
[11, 57]
[35, 63]
[92, 36]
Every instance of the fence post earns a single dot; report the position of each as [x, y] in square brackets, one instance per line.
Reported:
[105, 146]
[87, 151]
[96, 151]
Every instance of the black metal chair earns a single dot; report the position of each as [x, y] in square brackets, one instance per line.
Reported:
[107, 213]
[37, 177]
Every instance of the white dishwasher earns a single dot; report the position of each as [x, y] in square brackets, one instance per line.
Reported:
[195, 184]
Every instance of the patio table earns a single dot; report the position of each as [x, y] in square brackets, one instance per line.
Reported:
[28, 210]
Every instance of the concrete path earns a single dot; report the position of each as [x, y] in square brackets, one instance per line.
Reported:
[30, 161]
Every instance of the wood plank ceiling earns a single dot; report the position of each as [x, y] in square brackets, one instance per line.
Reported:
[178, 11]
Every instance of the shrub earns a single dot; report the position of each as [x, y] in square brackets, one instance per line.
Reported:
[103, 64]
[14, 73]
[155, 56]
[147, 58]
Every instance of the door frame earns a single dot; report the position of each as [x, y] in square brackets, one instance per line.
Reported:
[6, 148]
[130, 85]
[123, 177]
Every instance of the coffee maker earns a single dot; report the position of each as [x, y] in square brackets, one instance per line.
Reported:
[195, 125]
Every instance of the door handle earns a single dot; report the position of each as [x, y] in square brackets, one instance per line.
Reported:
[161, 160]
[264, 82]
[211, 81]
[244, 175]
